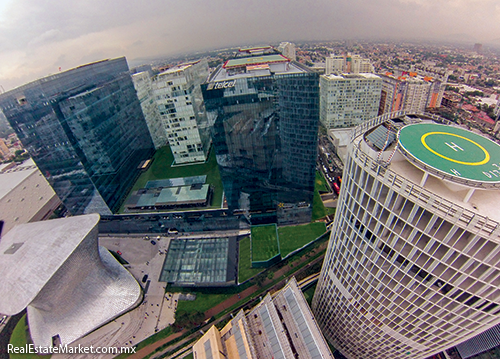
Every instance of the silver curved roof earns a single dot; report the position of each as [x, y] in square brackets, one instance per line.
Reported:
[69, 284]
[31, 253]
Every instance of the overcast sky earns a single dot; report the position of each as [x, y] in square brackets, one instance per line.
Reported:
[39, 36]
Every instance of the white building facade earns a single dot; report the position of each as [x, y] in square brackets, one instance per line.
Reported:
[412, 264]
[288, 50]
[25, 195]
[334, 64]
[143, 84]
[347, 100]
[182, 111]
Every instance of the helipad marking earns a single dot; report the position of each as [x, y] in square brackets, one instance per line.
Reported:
[454, 147]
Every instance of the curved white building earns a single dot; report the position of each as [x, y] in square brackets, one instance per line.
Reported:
[413, 264]
[70, 285]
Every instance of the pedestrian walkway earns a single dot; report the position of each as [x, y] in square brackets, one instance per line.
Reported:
[142, 353]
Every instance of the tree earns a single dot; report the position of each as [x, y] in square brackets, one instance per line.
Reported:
[188, 320]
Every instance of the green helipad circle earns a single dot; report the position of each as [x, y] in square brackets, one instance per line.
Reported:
[452, 151]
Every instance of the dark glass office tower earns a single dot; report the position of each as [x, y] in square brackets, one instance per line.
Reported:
[264, 111]
[85, 130]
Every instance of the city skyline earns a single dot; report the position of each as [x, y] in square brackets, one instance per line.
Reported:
[38, 40]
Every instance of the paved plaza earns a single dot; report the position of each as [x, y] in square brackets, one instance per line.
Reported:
[157, 311]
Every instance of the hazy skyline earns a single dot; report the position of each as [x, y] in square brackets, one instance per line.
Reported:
[39, 36]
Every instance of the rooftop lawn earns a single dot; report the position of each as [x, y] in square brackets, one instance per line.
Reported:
[19, 338]
[264, 242]
[245, 270]
[320, 182]
[295, 237]
[161, 168]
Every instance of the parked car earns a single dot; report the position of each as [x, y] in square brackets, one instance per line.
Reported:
[153, 243]
[145, 278]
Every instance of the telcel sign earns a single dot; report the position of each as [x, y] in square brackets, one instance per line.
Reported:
[221, 85]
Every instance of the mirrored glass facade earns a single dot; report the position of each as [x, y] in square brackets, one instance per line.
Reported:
[265, 123]
[85, 130]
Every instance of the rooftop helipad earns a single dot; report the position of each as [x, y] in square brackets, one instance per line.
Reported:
[451, 151]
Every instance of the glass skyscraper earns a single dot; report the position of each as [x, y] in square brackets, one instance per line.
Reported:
[85, 130]
[264, 110]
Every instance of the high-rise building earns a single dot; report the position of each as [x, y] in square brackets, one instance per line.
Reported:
[85, 130]
[356, 64]
[348, 63]
[265, 112]
[281, 326]
[288, 50]
[411, 91]
[348, 99]
[143, 84]
[334, 64]
[412, 263]
[180, 103]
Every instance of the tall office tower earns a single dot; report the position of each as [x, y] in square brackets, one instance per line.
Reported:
[288, 50]
[411, 91]
[412, 264]
[85, 130]
[334, 64]
[265, 114]
[179, 100]
[143, 84]
[347, 100]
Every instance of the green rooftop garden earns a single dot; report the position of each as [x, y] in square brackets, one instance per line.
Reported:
[264, 242]
[295, 237]
[162, 168]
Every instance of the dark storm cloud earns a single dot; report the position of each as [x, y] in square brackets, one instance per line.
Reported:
[39, 36]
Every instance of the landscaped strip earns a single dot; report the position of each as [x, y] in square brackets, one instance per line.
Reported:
[294, 237]
[245, 270]
[264, 243]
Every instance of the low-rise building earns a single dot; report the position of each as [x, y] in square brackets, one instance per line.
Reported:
[280, 326]
[25, 195]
